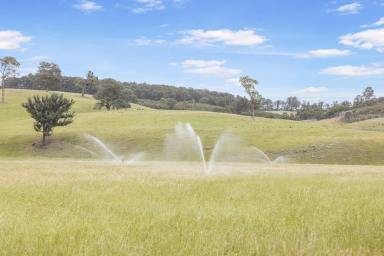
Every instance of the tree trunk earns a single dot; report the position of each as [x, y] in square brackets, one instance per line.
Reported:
[83, 92]
[3, 91]
[253, 111]
[43, 142]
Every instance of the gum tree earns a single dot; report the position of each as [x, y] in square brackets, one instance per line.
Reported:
[8, 68]
[48, 76]
[255, 98]
[90, 82]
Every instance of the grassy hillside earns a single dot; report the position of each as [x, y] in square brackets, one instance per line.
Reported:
[67, 208]
[128, 131]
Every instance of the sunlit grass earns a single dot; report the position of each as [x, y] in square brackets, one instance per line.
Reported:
[63, 208]
[143, 129]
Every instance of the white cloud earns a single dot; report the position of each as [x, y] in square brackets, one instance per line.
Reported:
[378, 23]
[12, 40]
[368, 39]
[352, 8]
[88, 6]
[354, 71]
[142, 41]
[148, 5]
[325, 53]
[234, 81]
[245, 37]
[209, 67]
[312, 90]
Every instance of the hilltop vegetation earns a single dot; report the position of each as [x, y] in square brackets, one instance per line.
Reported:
[143, 129]
[181, 98]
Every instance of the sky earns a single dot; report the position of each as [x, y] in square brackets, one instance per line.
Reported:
[316, 50]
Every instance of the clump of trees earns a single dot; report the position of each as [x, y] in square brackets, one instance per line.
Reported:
[49, 112]
[112, 95]
[48, 76]
[89, 82]
[8, 68]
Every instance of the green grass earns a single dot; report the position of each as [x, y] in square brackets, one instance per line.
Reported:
[128, 131]
[64, 208]
[53, 204]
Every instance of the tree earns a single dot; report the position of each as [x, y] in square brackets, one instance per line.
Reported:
[169, 102]
[49, 112]
[358, 101]
[293, 103]
[368, 94]
[279, 104]
[112, 95]
[89, 82]
[254, 96]
[8, 68]
[48, 76]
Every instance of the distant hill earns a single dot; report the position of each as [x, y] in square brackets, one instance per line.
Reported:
[142, 129]
[375, 110]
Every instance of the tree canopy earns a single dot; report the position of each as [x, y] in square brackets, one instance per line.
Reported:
[8, 68]
[48, 76]
[112, 95]
[49, 112]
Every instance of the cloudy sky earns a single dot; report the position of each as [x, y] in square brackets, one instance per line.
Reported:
[317, 50]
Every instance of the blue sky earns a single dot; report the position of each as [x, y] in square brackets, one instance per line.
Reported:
[317, 50]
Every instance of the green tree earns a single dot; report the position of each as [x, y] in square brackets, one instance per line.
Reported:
[48, 76]
[249, 85]
[90, 82]
[293, 103]
[49, 112]
[8, 68]
[112, 95]
[368, 94]
[169, 102]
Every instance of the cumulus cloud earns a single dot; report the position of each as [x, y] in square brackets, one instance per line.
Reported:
[209, 67]
[312, 90]
[378, 23]
[12, 40]
[368, 39]
[349, 70]
[88, 6]
[245, 37]
[352, 8]
[325, 53]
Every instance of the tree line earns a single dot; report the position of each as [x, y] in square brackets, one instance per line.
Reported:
[49, 77]
[114, 94]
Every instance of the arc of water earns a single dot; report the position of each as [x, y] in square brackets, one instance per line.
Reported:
[104, 147]
[199, 144]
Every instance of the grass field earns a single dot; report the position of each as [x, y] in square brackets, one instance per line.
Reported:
[91, 208]
[61, 200]
[137, 129]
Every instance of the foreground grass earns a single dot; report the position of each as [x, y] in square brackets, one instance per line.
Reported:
[142, 129]
[63, 208]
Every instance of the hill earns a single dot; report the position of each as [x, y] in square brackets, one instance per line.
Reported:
[365, 112]
[144, 129]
